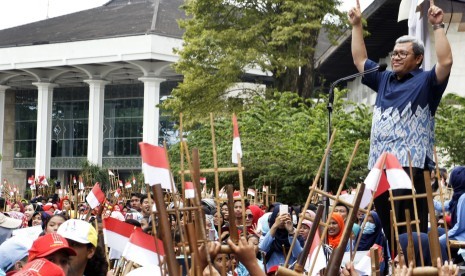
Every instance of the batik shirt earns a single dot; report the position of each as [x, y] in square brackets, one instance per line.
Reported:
[403, 115]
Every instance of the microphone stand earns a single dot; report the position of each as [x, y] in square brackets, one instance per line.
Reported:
[330, 112]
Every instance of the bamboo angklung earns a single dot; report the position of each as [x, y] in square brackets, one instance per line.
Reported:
[165, 232]
[442, 202]
[410, 245]
[312, 188]
[233, 233]
[299, 266]
[433, 238]
[415, 212]
[335, 259]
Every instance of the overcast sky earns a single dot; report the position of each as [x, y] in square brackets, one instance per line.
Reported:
[19, 12]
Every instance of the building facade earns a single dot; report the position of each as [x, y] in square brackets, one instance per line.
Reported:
[85, 87]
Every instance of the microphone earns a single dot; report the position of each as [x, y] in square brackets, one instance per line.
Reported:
[380, 68]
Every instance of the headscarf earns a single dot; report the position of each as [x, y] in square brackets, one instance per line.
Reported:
[457, 181]
[377, 237]
[281, 237]
[257, 213]
[334, 241]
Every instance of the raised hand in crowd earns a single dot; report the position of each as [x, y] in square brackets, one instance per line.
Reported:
[349, 270]
[245, 254]
[213, 248]
[448, 269]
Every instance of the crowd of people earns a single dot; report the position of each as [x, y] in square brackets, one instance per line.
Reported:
[63, 239]
[61, 242]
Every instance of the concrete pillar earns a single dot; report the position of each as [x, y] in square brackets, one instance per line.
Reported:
[3, 88]
[44, 128]
[151, 111]
[95, 135]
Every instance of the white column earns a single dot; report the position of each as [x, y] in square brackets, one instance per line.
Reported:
[95, 134]
[3, 88]
[151, 111]
[44, 127]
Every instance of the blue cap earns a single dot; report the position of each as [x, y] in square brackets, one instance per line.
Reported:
[13, 250]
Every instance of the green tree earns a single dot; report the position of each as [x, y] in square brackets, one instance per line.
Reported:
[283, 140]
[224, 38]
[450, 136]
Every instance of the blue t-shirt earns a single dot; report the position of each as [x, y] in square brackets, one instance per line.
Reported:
[403, 115]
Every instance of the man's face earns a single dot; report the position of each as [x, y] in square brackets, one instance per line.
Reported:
[83, 254]
[135, 203]
[403, 60]
[238, 209]
[145, 206]
[341, 210]
[61, 259]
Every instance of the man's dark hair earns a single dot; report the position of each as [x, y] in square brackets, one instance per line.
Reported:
[138, 195]
[142, 198]
[343, 205]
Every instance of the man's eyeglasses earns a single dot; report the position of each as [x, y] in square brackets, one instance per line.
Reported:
[401, 55]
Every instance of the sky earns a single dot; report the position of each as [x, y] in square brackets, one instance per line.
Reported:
[20, 12]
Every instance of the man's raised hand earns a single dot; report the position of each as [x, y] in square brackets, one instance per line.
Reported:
[355, 14]
[435, 14]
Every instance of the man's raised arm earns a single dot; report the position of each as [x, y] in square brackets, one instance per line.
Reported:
[359, 51]
[443, 50]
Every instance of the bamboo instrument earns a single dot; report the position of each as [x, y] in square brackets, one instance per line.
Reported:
[433, 238]
[335, 259]
[312, 190]
[165, 230]
[299, 266]
[374, 262]
[442, 203]
[410, 246]
[425, 271]
[233, 234]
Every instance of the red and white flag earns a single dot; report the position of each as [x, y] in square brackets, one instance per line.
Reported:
[155, 165]
[30, 180]
[81, 183]
[265, 189]
[127, 185]
[142, 250]
[189, 189]
[133, 180]
[203, 180]
[116, 233]
[251, 191]
[74, 180]
[236, 146]
[379, 180]
[120, 182]
[43, 180]
[95, 197]
[117, 192]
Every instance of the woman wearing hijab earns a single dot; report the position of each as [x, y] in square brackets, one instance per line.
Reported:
[277, 241]
[253, 213]
[373, 234]
[456, 207]
[335, 229]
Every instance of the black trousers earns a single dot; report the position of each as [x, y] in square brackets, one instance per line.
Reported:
[383, 207]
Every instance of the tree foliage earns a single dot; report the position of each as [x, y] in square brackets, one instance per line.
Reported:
[450, 136]
[223, 39]
[283, 141]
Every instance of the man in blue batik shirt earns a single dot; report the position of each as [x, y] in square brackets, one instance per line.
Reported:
[406, 102]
